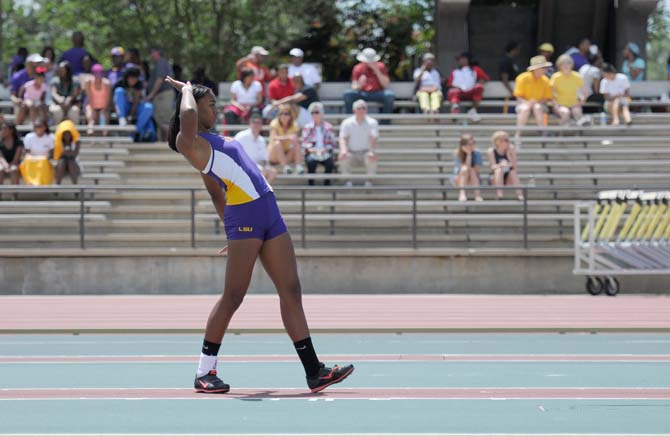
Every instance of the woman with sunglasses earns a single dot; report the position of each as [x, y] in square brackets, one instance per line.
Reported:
[254, 228]
[284, 148]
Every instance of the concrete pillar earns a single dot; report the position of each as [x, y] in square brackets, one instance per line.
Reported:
[631, 25]
[452, 31]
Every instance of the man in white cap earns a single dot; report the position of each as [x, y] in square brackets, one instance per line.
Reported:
[533, 92]
[308, 72]
[254, 61]
[369, 81]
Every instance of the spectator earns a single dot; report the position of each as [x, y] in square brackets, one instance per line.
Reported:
[566, 85]
[65, 93]
[633, 65]
[86, 75]
[466, 83]
[133, 60]
[39, 145]
[34, 94]
[19, 79]
[358, 141]
[279, 88]
[547, 50]
[254, 62]
[580, 55]
[428, 85]
[131, 108]
[533, 92]
[503, 163]
[18, 59]
[98, 94]
[308, 72]
[615, 87]
[11, 150]
[284, 147]
[303, 97]
[591, 90]
[254, 144]
[370, 82]
[245, 94]
[115, 73]
[75, 55]
[66, 151]
[467, 162]
[200, 78]
[160, 93]
[5, 93]
[318, 142]
[509, 69]
[49, 58]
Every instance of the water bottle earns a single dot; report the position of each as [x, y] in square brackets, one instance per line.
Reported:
[531, 181]
[603, 118]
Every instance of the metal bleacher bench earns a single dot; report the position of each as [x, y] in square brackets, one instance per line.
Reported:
[644, 94]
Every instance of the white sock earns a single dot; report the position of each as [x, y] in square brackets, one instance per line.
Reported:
[207, 363]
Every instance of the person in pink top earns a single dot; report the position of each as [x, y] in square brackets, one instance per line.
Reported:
[98, 93]
[466, 83]
[34, 94]
[370, 82]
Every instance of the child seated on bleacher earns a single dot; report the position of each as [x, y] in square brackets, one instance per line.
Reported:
[616, 89]
[36, 169]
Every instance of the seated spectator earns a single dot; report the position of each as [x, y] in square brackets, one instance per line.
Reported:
[508, 68]
[254, 144]
[580, 54]
[11, 151]
[279, 88]
[318, 142]
[308, 72]
[254, 62]
[49, 58]
[633, 65]
[615, 87]
[566, 84]
[370, 82]
[466, 83]
[65, 93]
[503, 163]
[284, 147]
[358, 141]
[20, 78]
[34, 95]
[36, 169]
[467, 162]
[200, 78]
[591, 90]
[115, 73]
[428, 85]
[131, 108]
[533, 93]
[547, 50]
[66, 151]
[304, 96]
[98, 94]
[133, 59]
[245, 94]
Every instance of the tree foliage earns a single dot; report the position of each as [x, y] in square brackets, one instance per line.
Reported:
[215, 33]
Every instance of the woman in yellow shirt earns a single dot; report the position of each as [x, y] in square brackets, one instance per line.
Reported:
[284, 148]
[566, 85]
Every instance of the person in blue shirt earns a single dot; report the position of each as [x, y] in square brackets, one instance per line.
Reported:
[467, 162]
[633, 65]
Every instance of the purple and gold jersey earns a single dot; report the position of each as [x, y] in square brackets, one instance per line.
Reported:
[236, 172]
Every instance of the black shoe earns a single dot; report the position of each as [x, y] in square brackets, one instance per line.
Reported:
[210, 383]
[328, 376]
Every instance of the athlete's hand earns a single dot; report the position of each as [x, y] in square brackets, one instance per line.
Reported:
[178, 85]
[223, 251]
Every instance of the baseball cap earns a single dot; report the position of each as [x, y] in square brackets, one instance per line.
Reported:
[546, 47]
[36, 58]
[296, 52]
[118, 51]
[258, 50]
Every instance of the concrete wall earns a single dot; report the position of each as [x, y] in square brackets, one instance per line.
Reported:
[319, 274]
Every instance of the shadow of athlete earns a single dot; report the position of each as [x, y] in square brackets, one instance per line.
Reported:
[254, 228]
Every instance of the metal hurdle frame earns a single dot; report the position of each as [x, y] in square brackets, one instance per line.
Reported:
[613, 240]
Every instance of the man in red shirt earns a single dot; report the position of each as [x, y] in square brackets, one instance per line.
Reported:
[369, 81]
[279, 87]
[254, 61]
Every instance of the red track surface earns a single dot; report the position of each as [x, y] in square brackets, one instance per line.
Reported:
[339, 312]
[337, 358]
[340, 393]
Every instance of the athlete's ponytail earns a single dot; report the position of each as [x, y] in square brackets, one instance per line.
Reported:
[199, 91]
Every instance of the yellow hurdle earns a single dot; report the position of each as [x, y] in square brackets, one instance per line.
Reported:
[632, 217]
[660, 211]
[596, 212]
[615, 220]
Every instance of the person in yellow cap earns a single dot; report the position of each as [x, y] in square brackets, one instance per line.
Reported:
[66, 150]
[115, 74]
[533, 93]
[547, 50]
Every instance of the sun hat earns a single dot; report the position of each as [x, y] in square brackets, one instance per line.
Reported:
[368, 55]
[538, 62]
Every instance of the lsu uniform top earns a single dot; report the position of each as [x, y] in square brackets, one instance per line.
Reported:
[251, 208]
